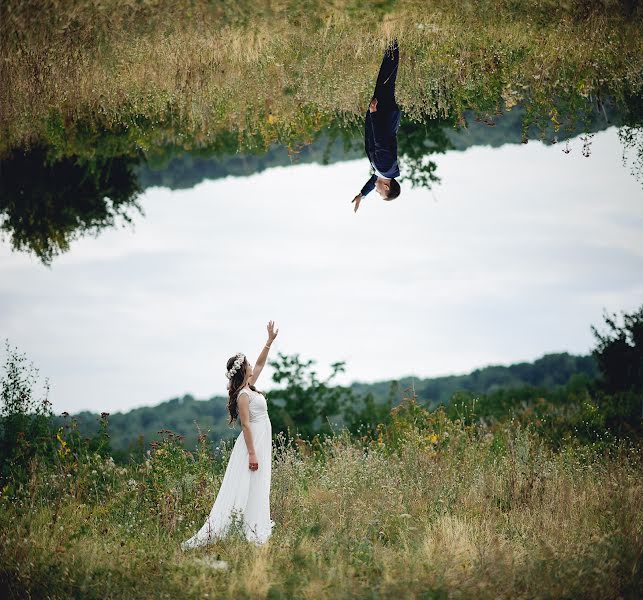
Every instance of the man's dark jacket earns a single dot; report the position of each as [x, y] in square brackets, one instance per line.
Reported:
[380, 143]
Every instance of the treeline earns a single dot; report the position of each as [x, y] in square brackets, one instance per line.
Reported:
[559, 391]
[551, 372]
[563, 396]
[307, 395]
[175, 168]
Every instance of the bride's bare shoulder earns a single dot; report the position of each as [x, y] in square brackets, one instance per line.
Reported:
[246, 390]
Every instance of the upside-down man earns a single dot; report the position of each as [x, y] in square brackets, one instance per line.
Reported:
[380, 131]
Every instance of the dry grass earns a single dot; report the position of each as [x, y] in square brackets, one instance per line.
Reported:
[183, 72]
[471, 515]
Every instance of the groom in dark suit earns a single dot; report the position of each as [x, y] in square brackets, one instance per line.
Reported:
[380, 131]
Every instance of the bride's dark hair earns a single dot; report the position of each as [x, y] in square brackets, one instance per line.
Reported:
[234, 387]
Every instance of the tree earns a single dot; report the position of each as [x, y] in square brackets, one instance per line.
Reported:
[619, 354]
[45, 204]
[25, 428]
[304, 406]
[418, 141]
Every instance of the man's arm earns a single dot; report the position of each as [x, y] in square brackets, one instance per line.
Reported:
[369, 186]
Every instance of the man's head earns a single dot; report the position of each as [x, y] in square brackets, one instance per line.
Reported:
[387, 188]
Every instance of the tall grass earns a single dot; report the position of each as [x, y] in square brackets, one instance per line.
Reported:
[426, 508]
[183, 72]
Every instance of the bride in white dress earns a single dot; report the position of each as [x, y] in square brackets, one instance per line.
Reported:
[244, 495]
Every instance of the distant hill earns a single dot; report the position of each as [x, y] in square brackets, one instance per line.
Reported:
[177, 414]
[180, 414]
[550, 371]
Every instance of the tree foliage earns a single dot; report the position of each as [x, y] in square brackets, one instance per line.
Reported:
[28, 431]
[306, 403]
[24, 416]
[585, 408]
[47, 203]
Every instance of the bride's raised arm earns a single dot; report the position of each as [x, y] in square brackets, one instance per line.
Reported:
[263, 355]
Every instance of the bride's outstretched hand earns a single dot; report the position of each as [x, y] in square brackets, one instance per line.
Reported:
[272, 332]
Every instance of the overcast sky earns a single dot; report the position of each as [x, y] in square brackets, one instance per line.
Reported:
[514, 255]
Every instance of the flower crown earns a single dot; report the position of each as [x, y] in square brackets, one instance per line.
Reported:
[240, 357]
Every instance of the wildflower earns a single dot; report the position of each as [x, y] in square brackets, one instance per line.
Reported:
[64, 449]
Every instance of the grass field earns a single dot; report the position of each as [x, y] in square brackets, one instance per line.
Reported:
[181, 72]
[439, 510]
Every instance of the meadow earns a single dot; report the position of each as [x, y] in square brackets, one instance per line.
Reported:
[100, 77]
[427, 508]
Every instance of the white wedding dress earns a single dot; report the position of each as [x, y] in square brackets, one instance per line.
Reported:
[244, 495]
